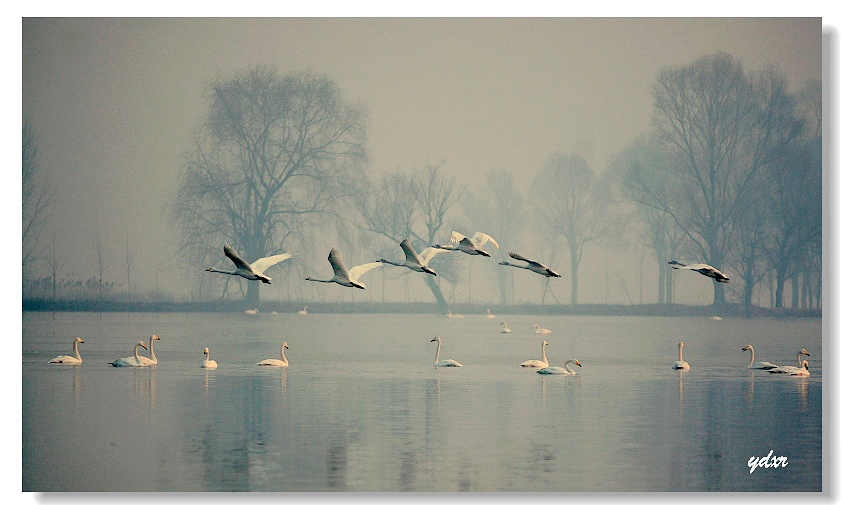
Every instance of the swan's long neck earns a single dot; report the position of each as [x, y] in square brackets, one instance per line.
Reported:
[514, 265]
[798, 357]
[152, 349]
[76, 350]
[544, 352]
[283, 356]
[680, 352]
[438, 350]
[752, 356]
[567, 366]
[393, 263]
[229, 272]
[136, 357]
[318, 280]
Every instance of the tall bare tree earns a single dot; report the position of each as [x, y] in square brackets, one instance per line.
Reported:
[37, 196]
[275, 150]
[569, 198]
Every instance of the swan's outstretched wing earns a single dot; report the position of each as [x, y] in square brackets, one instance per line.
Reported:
[335, 259]
[429, 253]
[263, 264]
[456, 237]
[358, 271]
[521, 258]
[480, 239]
[409, 251]
[233, 256]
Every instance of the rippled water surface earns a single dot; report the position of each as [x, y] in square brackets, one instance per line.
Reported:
[361, 408]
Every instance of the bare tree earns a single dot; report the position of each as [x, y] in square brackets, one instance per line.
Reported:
[37, 196]
[567, 195]
[99, 254]
[719, 126]
[275, 150]
[129, 268]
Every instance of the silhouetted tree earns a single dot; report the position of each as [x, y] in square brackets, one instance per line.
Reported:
[274, 150]
[37, 196]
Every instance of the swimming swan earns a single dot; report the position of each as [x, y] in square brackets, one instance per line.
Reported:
[557, 370]
[276, 362]
[208, 363]
[488, 314]
[540, 363]
[506, 328]
[253, 271]
[760, 365]
[540, 330]
[706, 270]
[303, 312]
[152, 359]
[444, 362]
[801, 369]
[534, 266]
[681, 364]
[73, 359]
[341, 274]
[131, 360]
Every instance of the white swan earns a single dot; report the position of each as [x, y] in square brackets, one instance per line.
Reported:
[73, 359]
[303, 311]
[276, 362]
[472, 246]
[505, 328]
[534, 266]
[488, 314]
[208, 363]
[565, 370]
[794, 370]
[415, 261]
[760, 365]
[152, 359]
[540, 363]
[444, 362]
[538, 330]
[681, 364]
[255, 270]
[802, 370]
[341, 274]
[131, 360]
[252, 312]
[455, 316]
[703, 269]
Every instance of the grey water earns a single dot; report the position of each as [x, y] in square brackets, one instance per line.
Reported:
[361, 407]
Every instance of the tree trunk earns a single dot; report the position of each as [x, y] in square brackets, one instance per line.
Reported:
[574, 277]
[749, 289]
[252, 299]
[434, 287]
[779, 290]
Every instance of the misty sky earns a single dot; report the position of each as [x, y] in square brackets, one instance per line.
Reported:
[115, 102]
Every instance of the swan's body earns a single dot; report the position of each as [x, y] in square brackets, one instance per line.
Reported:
[681, 364]
[131, 360]
[802, 370]
[152, 359]
[444, 362]
[565, 370]
[208, 363]
[539, 363]
[488, 314]
[73, 359]
[255, 270]
[455, 316]
[415, 261]
[703, 269]
[303, 311]
[760, 365]
[534, 266]
[472, 246]
[252, 312]
[276, 362]
[537, 329]
[505, 328]
[341, 274]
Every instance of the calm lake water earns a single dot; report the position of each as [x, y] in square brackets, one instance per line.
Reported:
[361, 408]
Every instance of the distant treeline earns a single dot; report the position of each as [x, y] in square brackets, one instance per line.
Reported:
[729, 310]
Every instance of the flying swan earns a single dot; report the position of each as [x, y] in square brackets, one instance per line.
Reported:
[703, 269]
[131, 360]
[208, 363]
[760, 365]
[472, 246]
[73, 359]
[565, 370]
[253, 271]
[415, 261]
[444, 362]
[681, 364]
[539, 363]
[341, 274]
[534, 266]
[276, 362]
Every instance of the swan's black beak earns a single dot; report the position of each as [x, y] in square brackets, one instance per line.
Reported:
[745, 348]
